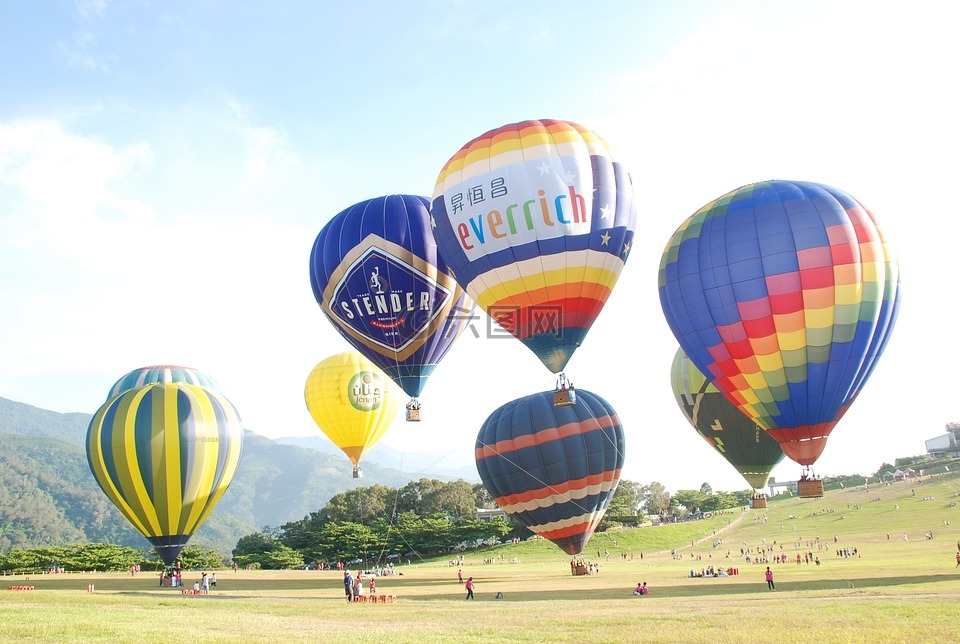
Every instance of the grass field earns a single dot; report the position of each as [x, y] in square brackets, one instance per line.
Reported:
[902, 588]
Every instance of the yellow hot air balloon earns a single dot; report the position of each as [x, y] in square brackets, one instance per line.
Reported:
[165, 453]
[352, 402]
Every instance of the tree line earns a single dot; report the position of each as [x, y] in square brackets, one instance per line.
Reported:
[380, 524]
[101, 557]
[375, 524]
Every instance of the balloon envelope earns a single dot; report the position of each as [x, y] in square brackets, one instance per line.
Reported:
[165, 454]
[784, 294]
[162, 373]
[352, 402]
[376, 274]
[742, 442]
[554, 469]
[536, 221]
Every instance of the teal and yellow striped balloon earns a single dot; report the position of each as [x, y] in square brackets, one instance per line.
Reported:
[165, 453]
[162, 373]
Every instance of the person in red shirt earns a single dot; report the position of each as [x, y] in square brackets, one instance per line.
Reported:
[469, 586]
[769, 577]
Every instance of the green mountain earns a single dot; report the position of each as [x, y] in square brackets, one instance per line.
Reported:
[49, 497]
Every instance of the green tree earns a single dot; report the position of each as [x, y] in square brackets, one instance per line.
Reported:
[689, 500]
[197, 558]
[281, 558]
[251, 547]
[21, 559]
[626, 500]
[706, 489]
[455, 499]
[481, 497]
[656, 499]
[347, 540]
[361, 505]
[411, 496]
[472, 530]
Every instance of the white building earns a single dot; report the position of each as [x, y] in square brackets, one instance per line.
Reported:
[484, 514]
[783, 486]
[947, 444]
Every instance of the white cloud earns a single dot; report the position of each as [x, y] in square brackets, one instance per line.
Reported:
[63, 183]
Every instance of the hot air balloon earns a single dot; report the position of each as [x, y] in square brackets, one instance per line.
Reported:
[784, 293]
[162, 373]
[377, 276]
[164, 454]
[536, 221]
[352, 402]
[552, 468]
[742, 442]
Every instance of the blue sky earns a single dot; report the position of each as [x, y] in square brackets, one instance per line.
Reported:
[165, 167]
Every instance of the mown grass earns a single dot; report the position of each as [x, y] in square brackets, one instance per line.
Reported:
[896, 590]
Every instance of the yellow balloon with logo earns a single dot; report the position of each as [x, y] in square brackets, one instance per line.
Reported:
[353, 402]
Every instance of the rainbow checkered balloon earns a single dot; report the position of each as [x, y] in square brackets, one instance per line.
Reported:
[535, 219]
[784, 293]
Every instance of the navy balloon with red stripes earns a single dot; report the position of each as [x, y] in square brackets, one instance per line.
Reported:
[554, 469]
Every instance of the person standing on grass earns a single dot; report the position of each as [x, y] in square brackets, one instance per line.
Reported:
[769, 577]
[469, 586]
[348, 585]
[460, 576]
[958, 560]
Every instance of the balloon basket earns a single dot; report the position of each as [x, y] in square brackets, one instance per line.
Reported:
[413, 415]
[357, 472]
[564, 397]
[758, 502]
[810, 489]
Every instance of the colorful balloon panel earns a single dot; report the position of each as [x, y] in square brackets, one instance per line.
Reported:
[165, 454]
[536, 221]
[376, 274]
[784, 294]
[743, 443]
[162, 373]
[554, 469]
[352, 402]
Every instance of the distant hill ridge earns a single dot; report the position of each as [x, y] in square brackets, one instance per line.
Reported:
[49, 497]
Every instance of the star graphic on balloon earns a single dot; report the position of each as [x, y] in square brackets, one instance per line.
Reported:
[433, 222]
[544, 168]
[626, 248]
[605, 237]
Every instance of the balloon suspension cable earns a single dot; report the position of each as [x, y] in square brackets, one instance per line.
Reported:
[563, 383]
[413, 403]
[533, 476]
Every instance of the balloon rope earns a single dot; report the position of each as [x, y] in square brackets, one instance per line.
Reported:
[544, 484]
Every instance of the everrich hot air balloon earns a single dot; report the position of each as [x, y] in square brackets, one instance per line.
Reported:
[536, 221]
[162, 373]
[554, 469]
[377, 276]
[742, 442]
[352, 402]
[784, 293]
[165, 454]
